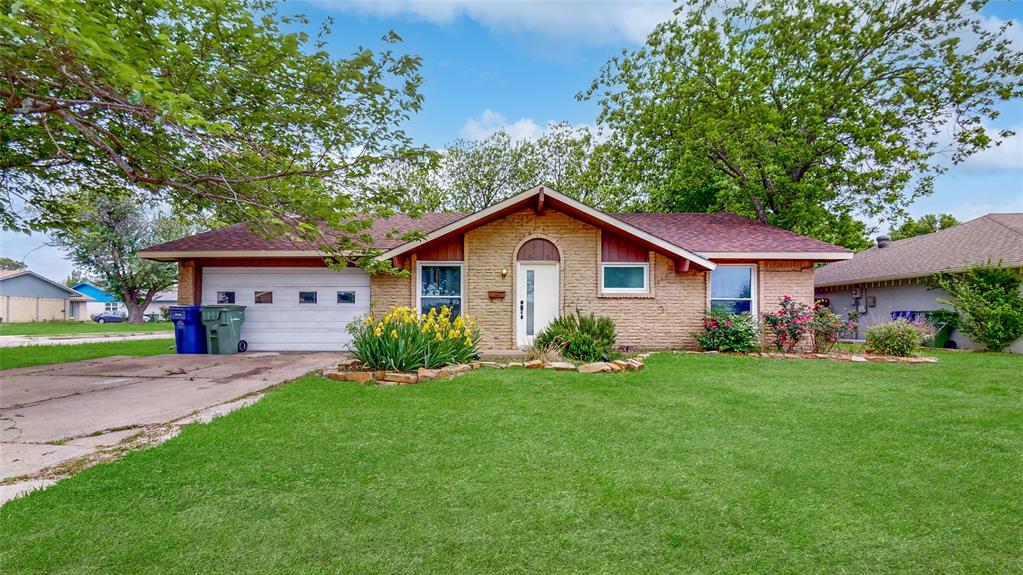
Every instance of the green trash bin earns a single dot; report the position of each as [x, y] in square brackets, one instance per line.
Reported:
[224, 328]
[943, 322]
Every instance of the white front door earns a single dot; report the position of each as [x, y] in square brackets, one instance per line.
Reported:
[537, 297]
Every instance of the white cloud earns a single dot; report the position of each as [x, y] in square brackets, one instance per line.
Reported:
[1008, 155]
[594, 21]
[491, 121]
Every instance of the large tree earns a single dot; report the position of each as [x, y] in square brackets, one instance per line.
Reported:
[106, 240]
[207, 105]
[810, 110]
[926, 224]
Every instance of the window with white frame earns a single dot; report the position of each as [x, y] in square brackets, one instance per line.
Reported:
[111, 306]
[440, 284]
[625, 277]
[732, 289]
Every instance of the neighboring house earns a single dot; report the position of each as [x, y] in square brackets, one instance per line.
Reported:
[104, 301]
[894, 275]
[27, 296]
[513, 267]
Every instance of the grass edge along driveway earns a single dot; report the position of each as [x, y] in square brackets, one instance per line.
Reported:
[696, 464]
[32, 355]
[83, 328]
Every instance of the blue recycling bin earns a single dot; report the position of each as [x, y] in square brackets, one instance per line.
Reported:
[189, 332]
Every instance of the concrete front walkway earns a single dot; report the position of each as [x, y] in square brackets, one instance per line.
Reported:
[55, 413]
[19, 340]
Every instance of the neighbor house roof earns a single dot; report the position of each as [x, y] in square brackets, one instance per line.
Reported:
[698, 237]
[10, 274]
[995, 237]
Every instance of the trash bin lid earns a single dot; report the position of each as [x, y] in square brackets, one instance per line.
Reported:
[224, 307]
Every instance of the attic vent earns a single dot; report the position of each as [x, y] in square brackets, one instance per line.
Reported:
[883, 241]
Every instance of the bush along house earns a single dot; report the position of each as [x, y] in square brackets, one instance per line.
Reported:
[514, 267]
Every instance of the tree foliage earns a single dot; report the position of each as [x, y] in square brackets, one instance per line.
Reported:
[209, 105]
[10, 264]
[988, 300]
[469, 175]
[808, 111]
[104, 245]
[927, 224]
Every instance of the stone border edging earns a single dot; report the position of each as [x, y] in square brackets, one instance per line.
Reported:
[852, 357]
[349, 370]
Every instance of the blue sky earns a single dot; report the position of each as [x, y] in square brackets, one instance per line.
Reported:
[519, 65]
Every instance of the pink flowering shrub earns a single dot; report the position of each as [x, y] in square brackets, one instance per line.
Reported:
[790, 324]
[728, 332]
[828, 327]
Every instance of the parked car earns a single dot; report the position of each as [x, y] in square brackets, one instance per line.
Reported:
[110, 317]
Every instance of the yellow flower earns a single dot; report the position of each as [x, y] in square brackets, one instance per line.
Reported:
[459, 322]
[468, 341]
[379, 331]
[454, 334]
[369, 319]
[439, 337]
[394, 333]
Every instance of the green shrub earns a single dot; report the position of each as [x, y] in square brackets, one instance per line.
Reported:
[728, 332]
[580, 337]
[987, 300]
[828, 327]
[899, 338]
[405, 340]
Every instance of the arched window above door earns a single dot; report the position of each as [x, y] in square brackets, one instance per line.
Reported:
[538, 250]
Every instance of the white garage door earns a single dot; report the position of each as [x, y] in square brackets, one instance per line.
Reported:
[300, 309]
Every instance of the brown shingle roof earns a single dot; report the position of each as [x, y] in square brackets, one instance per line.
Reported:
[696, 232]
[723, 232]
[998, 237]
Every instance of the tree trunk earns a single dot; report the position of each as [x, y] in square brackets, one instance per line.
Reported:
[136, 309]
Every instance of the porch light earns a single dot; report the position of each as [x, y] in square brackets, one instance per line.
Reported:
[504, 272]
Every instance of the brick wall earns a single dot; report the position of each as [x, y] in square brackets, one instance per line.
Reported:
[663, 318]
[785, 277]
[186, 282]
[388, 291]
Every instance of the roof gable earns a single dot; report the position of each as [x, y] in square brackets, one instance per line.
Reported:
[95, 292]
[544, 197]
[12, 274]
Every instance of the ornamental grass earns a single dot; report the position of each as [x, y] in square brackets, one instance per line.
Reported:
[404, 340]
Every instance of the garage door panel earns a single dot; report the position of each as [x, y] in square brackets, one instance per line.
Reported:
[286, 324]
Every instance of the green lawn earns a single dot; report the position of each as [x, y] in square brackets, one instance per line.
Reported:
[28, 355]
[49, 328]
[697, 464]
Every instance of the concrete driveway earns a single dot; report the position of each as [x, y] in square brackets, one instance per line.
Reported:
[55, 413]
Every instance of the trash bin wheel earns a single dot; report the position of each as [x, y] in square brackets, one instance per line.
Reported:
[242, 346]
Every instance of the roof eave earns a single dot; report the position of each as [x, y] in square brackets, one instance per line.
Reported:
[813, 256]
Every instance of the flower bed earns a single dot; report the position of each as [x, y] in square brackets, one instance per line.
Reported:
[834, 356]
[355, 371]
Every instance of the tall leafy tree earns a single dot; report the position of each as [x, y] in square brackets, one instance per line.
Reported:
[477, 174]
[811, 110]
[106, 240]
[206, 104]
[926, 224]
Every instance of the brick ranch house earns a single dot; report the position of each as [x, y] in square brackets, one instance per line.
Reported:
[513, 267]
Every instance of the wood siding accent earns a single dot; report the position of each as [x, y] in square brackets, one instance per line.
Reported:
[448, 250]
[617, 250]
[538, 250]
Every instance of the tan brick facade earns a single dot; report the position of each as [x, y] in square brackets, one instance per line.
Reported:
[777, 279]
[663, 318]
[186, 282]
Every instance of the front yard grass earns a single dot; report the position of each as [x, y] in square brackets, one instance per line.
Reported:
[29, 355]
[53, 328]
[697, 464]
